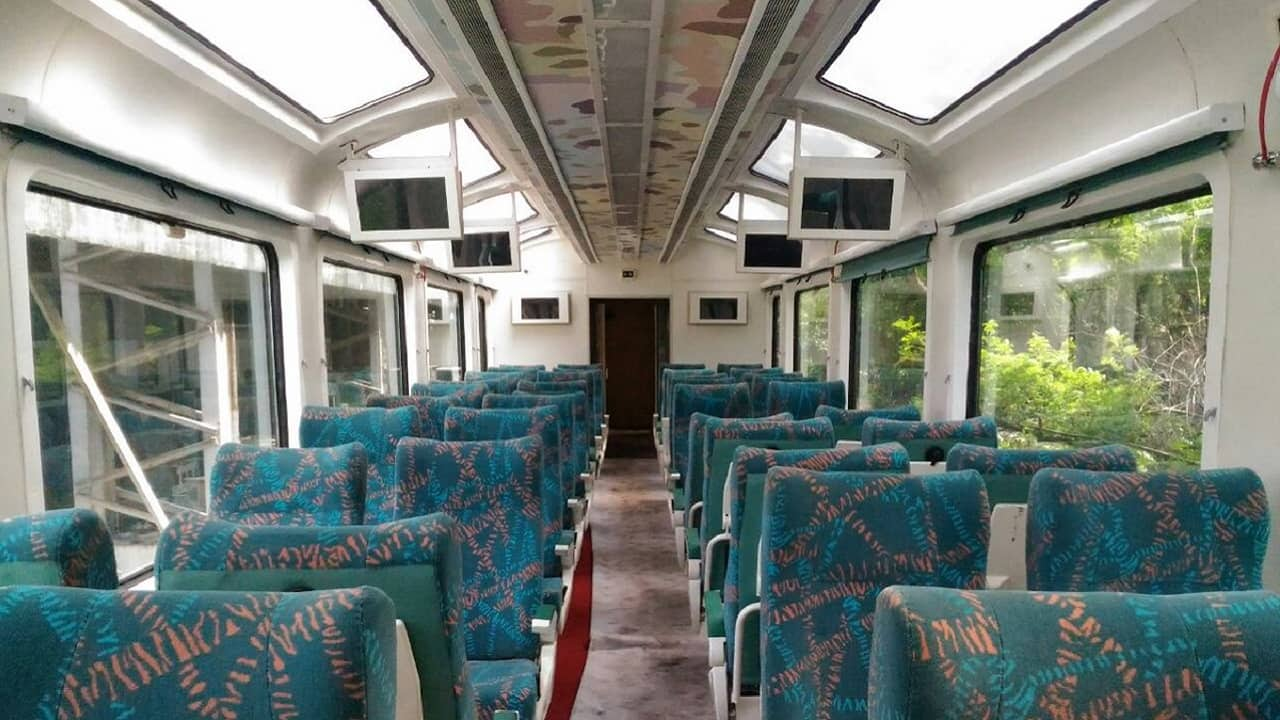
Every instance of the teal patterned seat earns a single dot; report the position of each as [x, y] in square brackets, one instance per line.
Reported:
[595, 381]
[417, 562]
[505, 685]
[493, 490]
[759, 382]
[254, 485]
[1159, 534]
[746, 513]
[556, 387]
[848, 423]
[730, 401]
[931, 441]
[503, 383]
[467, 394]
[1008, 473]
[802, 399]
[568, 451]
[580, 414]
[660, 391]
[831, 543]
[1002, 655]
[730, 367]
[108, 655]
[431, 410]
[671, 377]
[689, 491]
[468, 424]
[71, 548]
[518, 368]
[379, 430]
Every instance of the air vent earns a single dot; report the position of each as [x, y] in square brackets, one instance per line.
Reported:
[624, 148]
[479, 36]
[772, 32]
[626, 189]
[625, 59]
[622, 9]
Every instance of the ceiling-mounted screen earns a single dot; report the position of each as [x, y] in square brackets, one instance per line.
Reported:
[846, 199]
[763, 247]
[486, 249]
[402, 200]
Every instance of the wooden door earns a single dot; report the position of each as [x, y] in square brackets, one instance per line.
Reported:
[626, 336]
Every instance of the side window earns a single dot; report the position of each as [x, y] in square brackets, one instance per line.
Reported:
[363, 341]
[1097, 333]
[161, 329]
[448, 346]
[888, 324]
[812, 344]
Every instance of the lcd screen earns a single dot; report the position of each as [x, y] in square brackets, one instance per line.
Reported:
[389, 204]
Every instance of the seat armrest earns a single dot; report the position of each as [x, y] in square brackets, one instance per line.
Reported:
[564, 547]
[545, 624]
[712, 545]
[739, 630]
[693, 516]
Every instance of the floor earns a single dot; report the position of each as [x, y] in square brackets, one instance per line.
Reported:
[645, 660]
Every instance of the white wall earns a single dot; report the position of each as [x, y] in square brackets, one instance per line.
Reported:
[553, 267]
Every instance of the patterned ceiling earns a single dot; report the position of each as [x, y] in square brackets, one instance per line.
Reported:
[563, 64]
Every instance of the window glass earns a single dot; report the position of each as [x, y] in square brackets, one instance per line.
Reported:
[499, 207]
[776, 161]
[1098, 333]
[444, 321]
[812, 332]
[362, 334]
[965, 46]
[330, 62]
[174, 328]
[722, 234]
[475, 162]
[753, 208]
[888, 332]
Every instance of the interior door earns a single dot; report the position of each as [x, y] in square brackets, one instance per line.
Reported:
[626, 337]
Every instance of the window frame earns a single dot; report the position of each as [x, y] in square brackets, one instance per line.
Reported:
[187, 32]
[275, 314]
[775, 331]
[974, 356]
[462, 329]
[402, 351]
[855, 286]
[1004, 70]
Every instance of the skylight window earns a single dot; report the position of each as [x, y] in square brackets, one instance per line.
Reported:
[922, 58]
[534, 234]
[776, 160]
[328, 59]
[722, 234]
[754, 208]
[474, 159]
[498, 207]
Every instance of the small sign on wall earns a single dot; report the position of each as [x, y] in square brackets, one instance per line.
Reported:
[629, 274]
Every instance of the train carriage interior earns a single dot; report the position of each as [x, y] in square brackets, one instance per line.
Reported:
[567, 359]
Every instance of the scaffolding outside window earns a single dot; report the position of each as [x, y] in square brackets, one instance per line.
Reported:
[922, 58]
[778, 157]
[328, 63]
[363, 342]
[152, 345]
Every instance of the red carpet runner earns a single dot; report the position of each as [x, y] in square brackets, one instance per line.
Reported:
[575, 640]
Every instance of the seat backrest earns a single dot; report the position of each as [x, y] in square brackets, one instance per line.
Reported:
[497, 382]
[730, 367]
[831, 543]
[469, 424]
[417, 562]
[564, 405]
[71, 548]
[759, 381]
[719, 400]
[745, 374]
[746, 513]
[431, 410]
[379, 430]
[1015, 655]
[254, 485]
[802, 399]
[517, 368]
[580, 421]
[1008, 473]
[593, 376]
[1158, 534]
[930, 441]
[659, 390]
[671, 376]
[693, 481]
[493, 490]
[582, 385]
[468, 394]
[848, 423]
[105, 655]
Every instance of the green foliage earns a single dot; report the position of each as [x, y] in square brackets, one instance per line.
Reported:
[815, 346]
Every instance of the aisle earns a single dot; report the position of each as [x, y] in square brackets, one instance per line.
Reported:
[645, 660]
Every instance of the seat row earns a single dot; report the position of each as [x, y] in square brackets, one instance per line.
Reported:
[794, 528]
[450, 502]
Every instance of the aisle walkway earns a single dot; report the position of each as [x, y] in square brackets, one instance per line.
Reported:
[645, 660]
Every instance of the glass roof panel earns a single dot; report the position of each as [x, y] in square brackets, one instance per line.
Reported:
[498, 207]
[329, 63]
[474, 158]
[960, 47]
[776, 160]
[534, 234]
[754, 208]
[722, 234]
